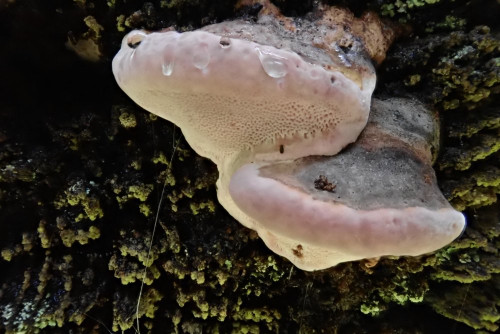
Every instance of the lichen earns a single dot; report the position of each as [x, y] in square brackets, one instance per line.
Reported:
[79, 194]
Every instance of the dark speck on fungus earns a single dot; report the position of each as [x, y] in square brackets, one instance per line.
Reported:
[322, 183]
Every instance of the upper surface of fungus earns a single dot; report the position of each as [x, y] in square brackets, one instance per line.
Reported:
[258, 93]
[258, 87]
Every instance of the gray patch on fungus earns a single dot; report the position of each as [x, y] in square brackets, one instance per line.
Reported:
[368, 176]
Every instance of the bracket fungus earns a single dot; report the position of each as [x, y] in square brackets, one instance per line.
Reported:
[272, 102]
[378, 197]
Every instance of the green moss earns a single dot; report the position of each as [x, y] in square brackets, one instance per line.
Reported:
[198, 276]
[127, 120]
[120, 23]
[398, 7]
[148, 306]
[470, 306]
[137, 164]
[412, 80]
[257, 315]
[135, 244]
[487, 119]
[177, 269]
[7, 254]
[130, 272]
[79, 194]
[267, 267]
[479, 148]
[17, 171]
[245, 328]
[173, 241]
[145, 209]
[140, 191]
[450, 22]
[69, 236]
[160, 158]
[95, 27]
[196, 207]
[370, 309]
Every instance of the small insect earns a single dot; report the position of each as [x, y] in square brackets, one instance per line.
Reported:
[282, 149]
[322, 183]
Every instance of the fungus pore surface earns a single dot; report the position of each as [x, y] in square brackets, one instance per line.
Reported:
[260, 99]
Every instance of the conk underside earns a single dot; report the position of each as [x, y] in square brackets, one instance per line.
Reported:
[272, 103]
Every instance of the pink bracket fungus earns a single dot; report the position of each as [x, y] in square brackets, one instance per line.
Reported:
[259, 97]
[378, 197]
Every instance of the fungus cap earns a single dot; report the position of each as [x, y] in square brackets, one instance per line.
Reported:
[378, 197]
[260, 98]
[230, 95]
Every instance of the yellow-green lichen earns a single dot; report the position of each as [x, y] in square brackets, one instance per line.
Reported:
[481, 147]
[69, 236]
[120, 23]
[44, 236]
[78, 195]
[147, 307]
[135, 244]
[145, 209]
[403, 6]
[257, 315]
[196, 207]
[7, 254]
[140, 191]
[412, 80]
[127, 119]
[372, 309]
[130, 272]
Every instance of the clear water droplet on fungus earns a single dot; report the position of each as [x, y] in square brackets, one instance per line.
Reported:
[273, 64]
[202, 57]
[167, 64]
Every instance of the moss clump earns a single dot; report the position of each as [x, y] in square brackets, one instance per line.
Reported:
[79, 195]
[404, 6]
[69, 236]
[470, 306]
[127, 120]
[147, 307]
[129, 272]
[478, 148]
[141, 191]
[257, 315]
[196, 207]
[87, 45]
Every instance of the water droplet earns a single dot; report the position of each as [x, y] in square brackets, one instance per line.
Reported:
[167, 68]
[225, 42]
[168, 60]
[273, 64]
[202, 57]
